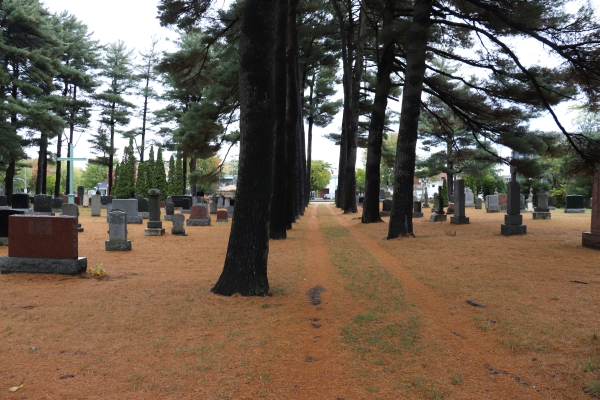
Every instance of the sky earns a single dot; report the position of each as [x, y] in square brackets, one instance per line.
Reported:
[134, 22]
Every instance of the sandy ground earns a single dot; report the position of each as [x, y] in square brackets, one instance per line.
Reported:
[351, 316]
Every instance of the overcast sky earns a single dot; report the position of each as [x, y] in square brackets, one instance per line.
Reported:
[134, 22]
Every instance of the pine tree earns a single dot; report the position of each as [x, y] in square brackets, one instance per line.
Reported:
[141, 181]
[115, 110]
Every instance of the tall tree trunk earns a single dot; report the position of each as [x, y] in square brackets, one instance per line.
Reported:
[111, 157]
[347, 115]
[382, 90]
[184, 162]
[291, 118]
[310, 121]
[278, 215]
[401, 218]
[245, 269]
[69, 189]
[300, 149]
[350, 176]
[40, 186]
[449, 174]
[58, 165]
[8, 180]
[144, 117]
[192, 169]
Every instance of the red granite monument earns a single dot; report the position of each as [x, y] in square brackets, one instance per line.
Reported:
[43, 244]
[591, 239]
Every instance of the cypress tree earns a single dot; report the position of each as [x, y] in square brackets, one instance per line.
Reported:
[178, 182]
[171, 177]
[160, 175]
[126, 177]
[141, 182]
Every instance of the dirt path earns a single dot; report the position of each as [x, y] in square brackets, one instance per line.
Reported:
[491, 369]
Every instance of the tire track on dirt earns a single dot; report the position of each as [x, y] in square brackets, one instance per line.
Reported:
[318, 367]
[497, 372]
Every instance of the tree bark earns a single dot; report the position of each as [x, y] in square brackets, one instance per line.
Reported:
[350, 175]
[192, 169]
[291, 119]
[278, 220]
[300, 149]
[245, 269]
[401, 217]
[382, 90]
[347, 116]
[8, 181]
[58, 165]
[40, 186]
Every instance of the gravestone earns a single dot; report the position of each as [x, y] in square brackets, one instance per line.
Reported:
[57, 205]
[503, 201]
[86, 200]
[222, 216]
[469, 198]
[169, 211]
[43, 244]
[213, 205]
[232, 202]
[360, 200]
[20, 201]
[387, 207]
[3, 202]
[117, 232]
[96, 205]
[417, 213]
[220, 202]
[513, 220]
[130, 208]
[591, 239]
[178, 229]
[179, 199]
[541, 210]
[439, 215]
[80, 192]
[105, 200]
[4, 214]
[143, 205]
[71, 210]
[435, 203]
[198, 216]
[42, 204]
[425, 198]
[230, 211]
[551, 203]
[478, 204]
[186, 205]
[459, 217]
[226, 202]
[154, 226]
[381, 194]
[574, 204]
[491, 203]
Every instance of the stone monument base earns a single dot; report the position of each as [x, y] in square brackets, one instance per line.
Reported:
[542, 215]
[179, 234]
[9, 265]
[185, 211]
[417, 214]
[438, 218]
[509, 230]
[168, 217]
[198, 222]
[459, 220]
[493, 209]
[134, 220]
[154, 231]
[574, 210]
[117, 245]
[3, 241]
[223, 220]
[591, 240]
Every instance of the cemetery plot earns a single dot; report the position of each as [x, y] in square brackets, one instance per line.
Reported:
[351, 315]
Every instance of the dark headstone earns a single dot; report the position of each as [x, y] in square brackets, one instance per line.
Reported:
[104, 200]
[179, 201]
[4, 214]
[232, 202]
[541, 211]
[20, 200]
[42, 203]
[143, 205]
[574, 204]
[591, 239]
[3, 201]
[57, 203]
[513, 220]
[80, 191]
[387, 205]
[417, 213]
[459, 217]
[154, 227]
[222, 216]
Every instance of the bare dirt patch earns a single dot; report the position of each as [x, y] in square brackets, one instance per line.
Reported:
[393, 319]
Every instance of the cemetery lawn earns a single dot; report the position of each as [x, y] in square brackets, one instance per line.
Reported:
[351, 316]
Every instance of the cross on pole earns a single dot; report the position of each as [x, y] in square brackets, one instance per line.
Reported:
[70, 166]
